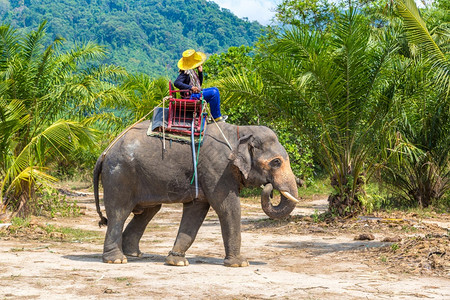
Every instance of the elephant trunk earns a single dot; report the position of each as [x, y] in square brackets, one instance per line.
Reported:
[283, 209]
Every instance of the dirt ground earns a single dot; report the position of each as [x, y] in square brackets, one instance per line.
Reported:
[402, 256]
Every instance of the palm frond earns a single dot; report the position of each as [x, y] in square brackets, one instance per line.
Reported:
[299, 42]
[242, 86]
[30, 175]
[68, 61]
[8, 45]
[418, 33]
[416, 28]
[31, 43]
[45, 64]
[66, 135]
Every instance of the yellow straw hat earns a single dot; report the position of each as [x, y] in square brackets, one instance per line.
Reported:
[191, 59]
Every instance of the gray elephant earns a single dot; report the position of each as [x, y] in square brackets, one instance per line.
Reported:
[139, 176]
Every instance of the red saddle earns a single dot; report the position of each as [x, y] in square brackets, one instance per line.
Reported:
[184, 112]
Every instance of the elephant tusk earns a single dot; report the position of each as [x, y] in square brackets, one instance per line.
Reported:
[289, 196]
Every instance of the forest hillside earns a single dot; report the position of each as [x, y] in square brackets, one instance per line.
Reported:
[141, 35]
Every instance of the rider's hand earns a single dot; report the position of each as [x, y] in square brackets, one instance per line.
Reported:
[195, 89]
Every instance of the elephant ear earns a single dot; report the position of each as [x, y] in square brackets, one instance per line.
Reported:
[241, 156]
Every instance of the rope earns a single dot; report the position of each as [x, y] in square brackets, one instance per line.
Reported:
[131, 126]
[194, 159]
[201, 127]
[163, 127]
[221, 132]
[202, 120]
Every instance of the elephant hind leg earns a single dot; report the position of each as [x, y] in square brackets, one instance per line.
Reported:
[193, 215]
[112, 248]
[135, 229]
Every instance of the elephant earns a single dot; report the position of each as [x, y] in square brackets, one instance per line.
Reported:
[139, 175]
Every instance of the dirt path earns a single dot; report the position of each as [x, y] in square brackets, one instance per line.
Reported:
[287, 261]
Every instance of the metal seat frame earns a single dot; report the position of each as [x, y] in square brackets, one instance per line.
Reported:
[182, 112]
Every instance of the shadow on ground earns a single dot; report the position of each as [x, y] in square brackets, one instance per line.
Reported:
[320, 248]
[155, 258]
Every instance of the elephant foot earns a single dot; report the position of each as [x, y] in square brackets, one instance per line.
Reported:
[176, 259]
[236, 262]
[116, 261]
[114, 257]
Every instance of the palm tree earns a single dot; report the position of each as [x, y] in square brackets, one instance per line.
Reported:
[143, 94]
[419, 172]
[45, 96]
[332, 86]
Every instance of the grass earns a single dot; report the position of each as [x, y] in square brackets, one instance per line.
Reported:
[250, 192]
[72, 234]
[318, 187]
[409, 229]
[52, 203]
[395, 247]
[78, 184]
[17, 224]
[430, 212]
[17, 249]
[24, 227]
[317, 217]
[121, 279]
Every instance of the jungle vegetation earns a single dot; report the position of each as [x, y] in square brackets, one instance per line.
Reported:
[144, 36]
[357, 91]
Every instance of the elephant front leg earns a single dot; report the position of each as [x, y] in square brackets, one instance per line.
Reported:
[135, 229]
[193, 215]
[230, 222]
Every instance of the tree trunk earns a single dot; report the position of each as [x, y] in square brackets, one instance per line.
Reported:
[347, 202]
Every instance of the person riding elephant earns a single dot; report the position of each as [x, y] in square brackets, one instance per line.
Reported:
[139, 176]
[190, 78]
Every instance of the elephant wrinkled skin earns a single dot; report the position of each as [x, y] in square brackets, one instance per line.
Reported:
[139, 176]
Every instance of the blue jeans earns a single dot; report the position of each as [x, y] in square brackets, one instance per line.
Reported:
[212, 96]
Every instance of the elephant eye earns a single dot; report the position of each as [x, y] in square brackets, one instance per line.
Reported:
[275, 163]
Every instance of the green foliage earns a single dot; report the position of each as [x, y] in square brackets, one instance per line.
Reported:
[333, 87]
[315, 186]
[320, 14]
[416, 140]
[52, 203]
[418, 180]
[417, 32]
[395, 247]
[219, 65]
[45, 96]
[314, 13]
[250, 192]
[142, 36]
[374, 198]
[70, 234]
[348, 84]
[442, 205]
[18, 223]
[296, 145]
[245, 111]
[143, 94]
[418, 172]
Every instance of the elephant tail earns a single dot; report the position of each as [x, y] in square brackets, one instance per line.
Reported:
[97, 172]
